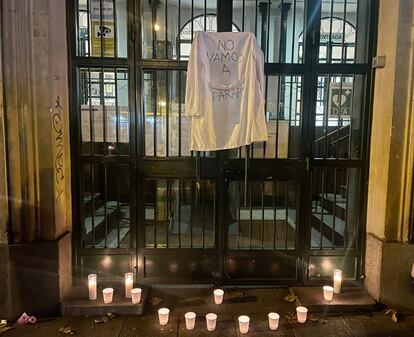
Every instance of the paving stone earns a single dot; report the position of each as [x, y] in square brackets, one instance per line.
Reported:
[86, 327]
[225, 327]
[408, 322]
[44, 328]
[377, 325]
[235, 301]
[259, 327]
[332, 327]
[148, 326]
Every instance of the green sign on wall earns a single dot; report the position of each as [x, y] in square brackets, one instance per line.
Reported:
[340, 99]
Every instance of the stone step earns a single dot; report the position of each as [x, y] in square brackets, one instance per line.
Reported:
[351, 299]
[79, 304]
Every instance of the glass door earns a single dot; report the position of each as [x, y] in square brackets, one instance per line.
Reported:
[285, 211]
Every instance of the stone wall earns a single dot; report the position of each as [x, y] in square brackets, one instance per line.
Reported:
[389, 256]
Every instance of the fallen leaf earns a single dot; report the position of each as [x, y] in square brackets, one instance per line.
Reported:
[324, 321]
[291, 298]
[67, 330]
[395, 317]
[155, 301]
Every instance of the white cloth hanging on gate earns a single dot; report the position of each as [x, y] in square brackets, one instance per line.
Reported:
[225, 91]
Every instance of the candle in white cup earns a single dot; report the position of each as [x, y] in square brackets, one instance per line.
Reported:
[136, 295]
[211, 320]
[190, 319]
[273, 320]
[302, 314]
[129, 284]
[218, 296]
[337, 281]
[108, 295]
[328, 292]
[92, 287]
[244, 323]
[163, 315]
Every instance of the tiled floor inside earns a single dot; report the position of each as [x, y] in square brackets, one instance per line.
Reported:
[255, 303]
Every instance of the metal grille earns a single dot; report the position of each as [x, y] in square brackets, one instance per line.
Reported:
[104, 111]
[102, 28]
[277, 25]
[169, 26]
[283, 109]
[339, 116]
[337, 41]
[178, 214]
[334, 208]
[166, 127]
[266, 218]
[106, 206]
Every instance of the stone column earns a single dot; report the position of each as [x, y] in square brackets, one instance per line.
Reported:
[389, 257]
[36, 86]
[35, 256]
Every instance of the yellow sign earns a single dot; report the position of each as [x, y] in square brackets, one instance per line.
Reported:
[102, 28]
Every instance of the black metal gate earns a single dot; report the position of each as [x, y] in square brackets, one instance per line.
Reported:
[286, 211]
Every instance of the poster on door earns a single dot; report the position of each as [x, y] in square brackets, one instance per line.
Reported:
[340, 100]
[102, 28]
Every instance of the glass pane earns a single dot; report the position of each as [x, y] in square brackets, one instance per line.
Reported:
[183, 215]
[278, 26]
[104, 111]
[167, 128]
[338, 30]
[266, 219]
[283, 108]
[339, 114]
[102, 28]
[106, 206]
[334, 208]
[168, 27]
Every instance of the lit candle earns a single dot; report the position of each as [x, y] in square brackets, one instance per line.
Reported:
[244, 324]
[218, 296]
[337, 281]
[302, 314]
[92, 287]
[273, 320]
[108, 295]
[129, 284]
[328, 293]
[211, 320]
[163, 315]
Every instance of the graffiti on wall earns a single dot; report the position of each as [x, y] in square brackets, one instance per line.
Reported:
[57, 121]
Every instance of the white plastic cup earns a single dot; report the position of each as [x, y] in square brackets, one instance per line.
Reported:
[136, 295]
[211, 321]
[108, 295]
[218, 296]
[190, 319]
[302, 314]
[163, 315]
[244, 323]
[328, 292]
[273, 320]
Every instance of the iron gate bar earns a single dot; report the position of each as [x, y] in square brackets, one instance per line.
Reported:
[344, 57]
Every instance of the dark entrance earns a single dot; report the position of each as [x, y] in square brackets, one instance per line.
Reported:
[289, 214]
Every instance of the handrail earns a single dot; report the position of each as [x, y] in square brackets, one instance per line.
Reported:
[331, 133]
